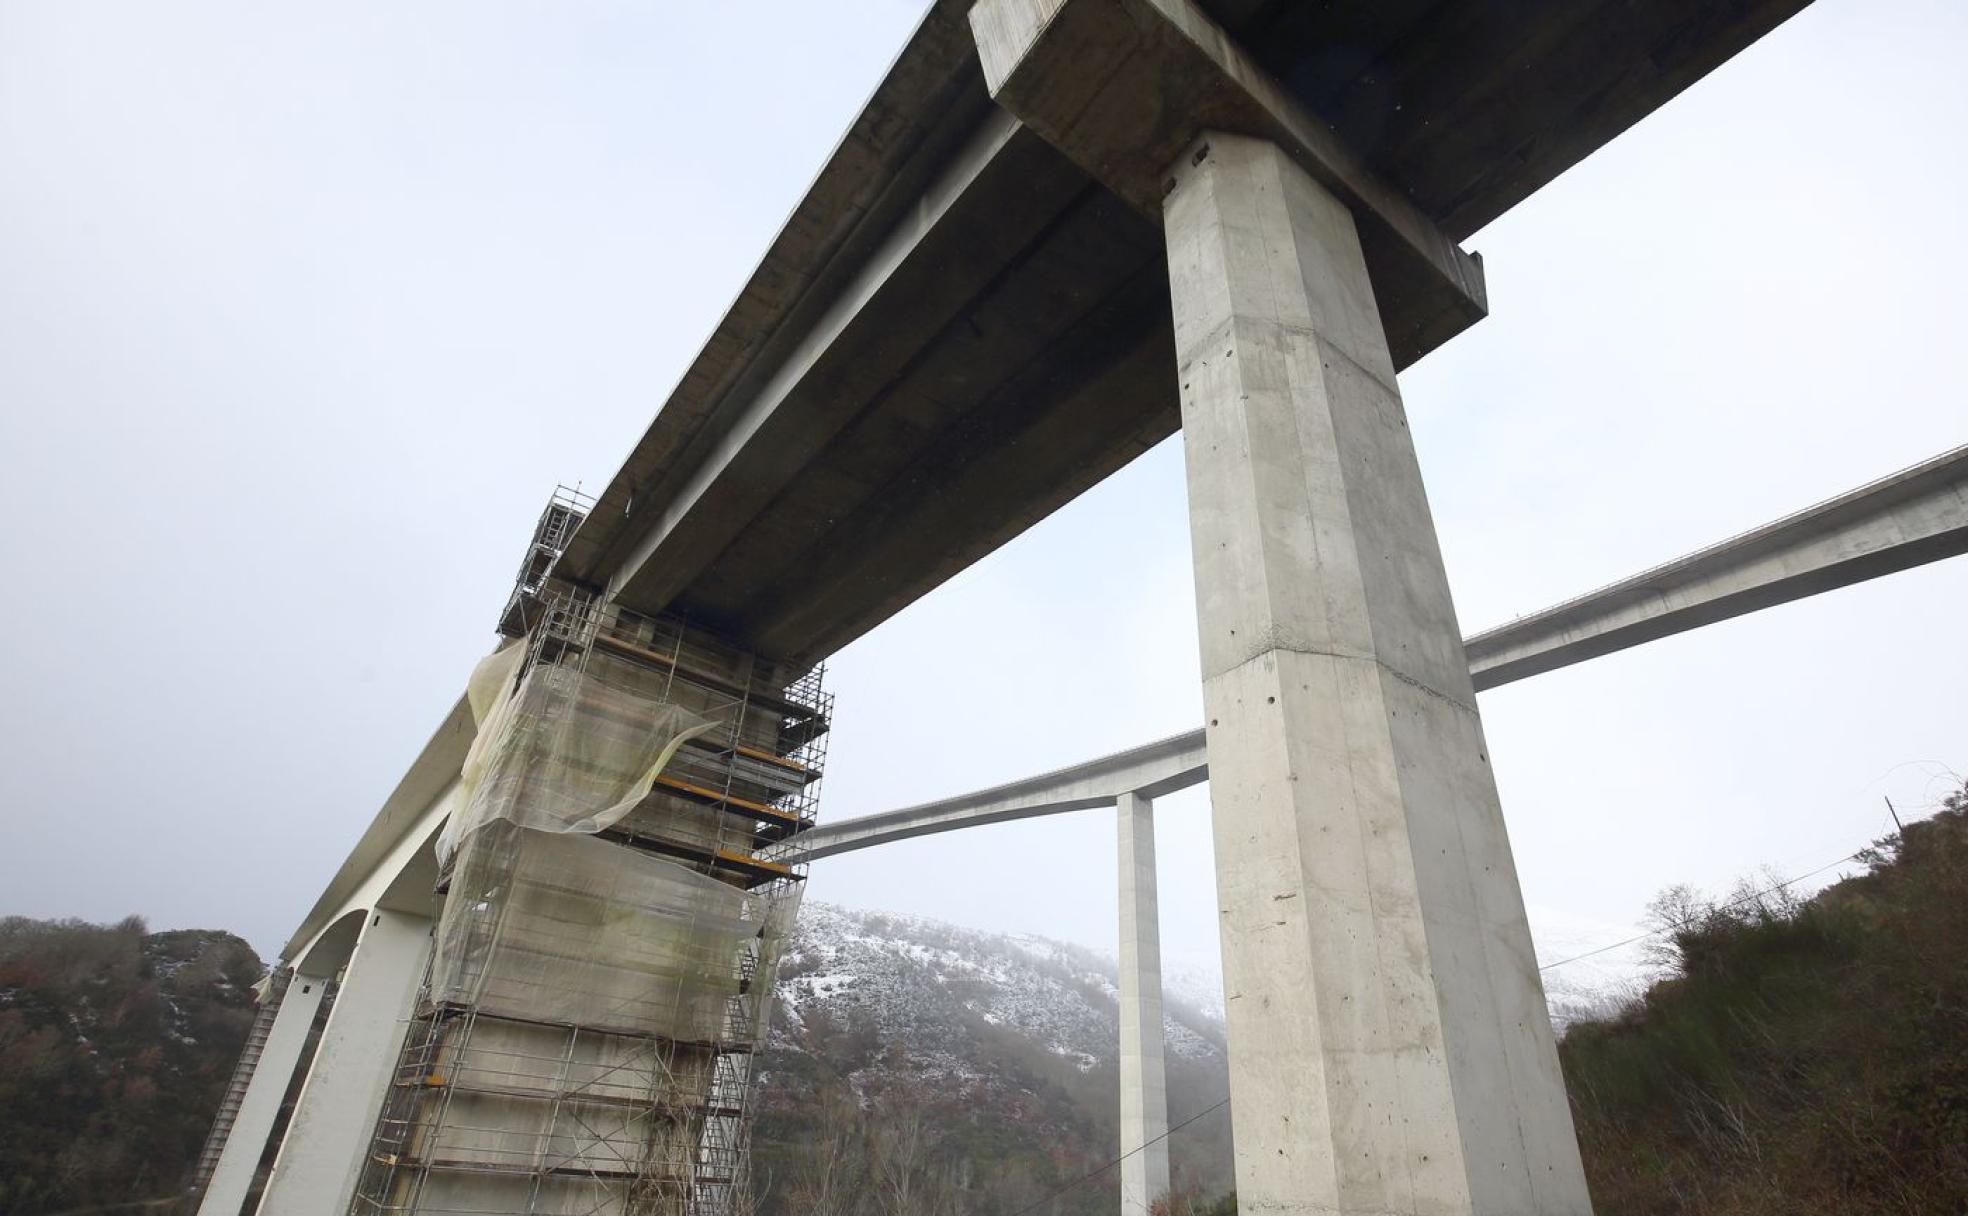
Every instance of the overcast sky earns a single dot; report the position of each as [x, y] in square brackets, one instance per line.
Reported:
[305, 309]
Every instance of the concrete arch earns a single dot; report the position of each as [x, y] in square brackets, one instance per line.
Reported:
[332, 948]
[380, 955]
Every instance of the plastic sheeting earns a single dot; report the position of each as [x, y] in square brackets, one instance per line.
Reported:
[556, 927]
[587, 1034]
[545, 922]
[566, 748]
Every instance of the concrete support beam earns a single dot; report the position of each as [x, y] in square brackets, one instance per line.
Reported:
[334, 1118]
[1152, 771]
[232, 1177]
[1122, 87]
[999, 194]
[1914, 516]
[1390, 1050]
[1144, 1086]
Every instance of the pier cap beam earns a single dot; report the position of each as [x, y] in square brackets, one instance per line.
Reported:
[1125, 87]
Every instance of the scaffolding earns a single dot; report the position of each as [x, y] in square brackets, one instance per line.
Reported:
[602, 977]
[565, 510]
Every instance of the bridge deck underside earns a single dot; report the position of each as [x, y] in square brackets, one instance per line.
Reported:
[934, 355]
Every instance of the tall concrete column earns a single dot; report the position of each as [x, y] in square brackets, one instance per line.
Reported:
[246, 1142]
[334, 1118]
[1389, 1046]
[1144, 1090]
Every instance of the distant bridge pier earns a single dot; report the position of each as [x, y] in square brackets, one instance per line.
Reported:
[1144, 1087]
[321, 1156]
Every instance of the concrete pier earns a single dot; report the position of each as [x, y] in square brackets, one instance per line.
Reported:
[1144, 1088]
[321, 1155]
[232, 1177]
[1389, 1045]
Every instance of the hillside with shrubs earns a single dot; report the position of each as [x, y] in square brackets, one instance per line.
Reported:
[116, 1045]
[1800, 1055]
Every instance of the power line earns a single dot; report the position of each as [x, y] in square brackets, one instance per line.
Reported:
[1090, 1175]
[1736, 903]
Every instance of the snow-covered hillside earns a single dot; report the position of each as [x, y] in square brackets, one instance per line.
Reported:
[1591, 966]
[1004, 1048]
[935, 986]
[932, 985]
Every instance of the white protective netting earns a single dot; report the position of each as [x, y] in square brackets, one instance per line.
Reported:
[557, 927]
[566, 748]
[544, 921]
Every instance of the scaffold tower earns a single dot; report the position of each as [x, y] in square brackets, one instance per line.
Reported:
[602, 977]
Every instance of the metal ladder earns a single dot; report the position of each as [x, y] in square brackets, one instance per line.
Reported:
[242, 1076]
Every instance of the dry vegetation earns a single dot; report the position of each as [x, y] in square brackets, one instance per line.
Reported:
[1798, 1055]
[115, 1047]
[1801, 1056]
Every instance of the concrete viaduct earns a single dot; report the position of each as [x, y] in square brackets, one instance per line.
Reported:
[1059, 232]
[376, 907]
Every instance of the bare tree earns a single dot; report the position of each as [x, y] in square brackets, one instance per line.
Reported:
[1677, 911]
[832, 1181]
[1763, 897]
[905, 1173]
